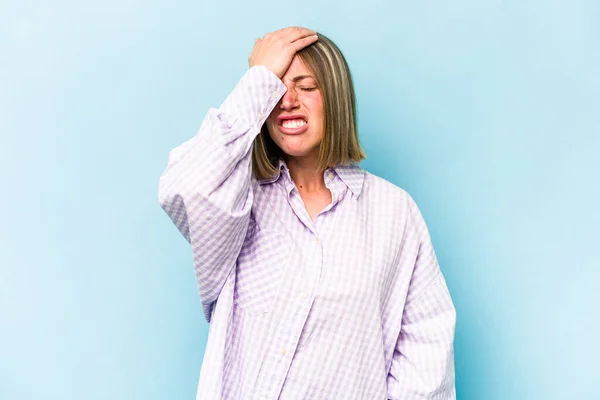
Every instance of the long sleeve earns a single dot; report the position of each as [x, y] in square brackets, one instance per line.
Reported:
[423, 360]
[206, 187]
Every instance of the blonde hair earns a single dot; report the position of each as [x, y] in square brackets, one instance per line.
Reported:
[340, 143]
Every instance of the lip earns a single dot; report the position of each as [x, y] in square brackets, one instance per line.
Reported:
[292, 131]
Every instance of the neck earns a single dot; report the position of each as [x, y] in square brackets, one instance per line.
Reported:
[305, 174]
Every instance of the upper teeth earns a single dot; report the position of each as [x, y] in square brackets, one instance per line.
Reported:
[293, 123]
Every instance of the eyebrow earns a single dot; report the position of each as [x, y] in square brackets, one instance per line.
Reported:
[300, 77]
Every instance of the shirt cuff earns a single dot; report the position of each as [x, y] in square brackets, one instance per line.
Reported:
[255, 96]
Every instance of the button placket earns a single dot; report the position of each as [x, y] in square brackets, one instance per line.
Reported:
[286, 336]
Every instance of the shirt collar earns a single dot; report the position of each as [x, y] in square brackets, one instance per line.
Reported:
[352, 175]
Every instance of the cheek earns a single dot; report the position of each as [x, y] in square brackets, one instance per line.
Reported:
[275, 135]
[316, 107]
[271, 127]
[317, 112]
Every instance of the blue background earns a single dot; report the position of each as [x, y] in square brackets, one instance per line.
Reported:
[487, 112]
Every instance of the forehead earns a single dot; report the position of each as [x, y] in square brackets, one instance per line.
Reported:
[296, 69]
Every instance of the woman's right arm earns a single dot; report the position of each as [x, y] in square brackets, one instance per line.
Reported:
[206, 187]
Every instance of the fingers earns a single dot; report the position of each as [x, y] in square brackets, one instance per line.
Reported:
[303, 42]
[289, 35]
[294, 33]
[295, 37]
[275, 50]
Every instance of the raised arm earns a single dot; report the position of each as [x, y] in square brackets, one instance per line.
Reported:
[206, 187]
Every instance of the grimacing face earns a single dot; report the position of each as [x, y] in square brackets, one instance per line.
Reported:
[296, 123]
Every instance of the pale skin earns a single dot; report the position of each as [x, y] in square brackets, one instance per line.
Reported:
[277, 51]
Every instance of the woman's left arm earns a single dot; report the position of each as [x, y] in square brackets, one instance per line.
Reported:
[423, 361]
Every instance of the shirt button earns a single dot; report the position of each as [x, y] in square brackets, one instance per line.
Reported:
[302, 295]
[275, 94]
[317, 240]
[260, 115]
[283, 351]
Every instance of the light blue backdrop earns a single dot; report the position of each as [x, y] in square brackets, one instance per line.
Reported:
[487, 112]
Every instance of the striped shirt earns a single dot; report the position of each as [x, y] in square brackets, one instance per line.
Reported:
[352, 305]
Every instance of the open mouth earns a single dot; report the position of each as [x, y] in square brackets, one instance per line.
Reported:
[293, 123]
[293, 126]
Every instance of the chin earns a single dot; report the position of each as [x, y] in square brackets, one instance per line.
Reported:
[298, 150]
[302, 145]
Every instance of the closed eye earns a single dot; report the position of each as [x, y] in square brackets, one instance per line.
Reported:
[308, 89]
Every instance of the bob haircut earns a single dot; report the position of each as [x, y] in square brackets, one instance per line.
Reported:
[340, 143]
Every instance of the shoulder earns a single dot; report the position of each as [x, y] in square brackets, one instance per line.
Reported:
[383, 196]
[379, 189]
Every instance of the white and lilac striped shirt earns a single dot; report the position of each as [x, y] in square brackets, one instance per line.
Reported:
[352, 305]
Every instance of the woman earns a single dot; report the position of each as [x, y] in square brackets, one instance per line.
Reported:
[318, 279]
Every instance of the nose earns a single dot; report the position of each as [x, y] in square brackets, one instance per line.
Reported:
[289, 101]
